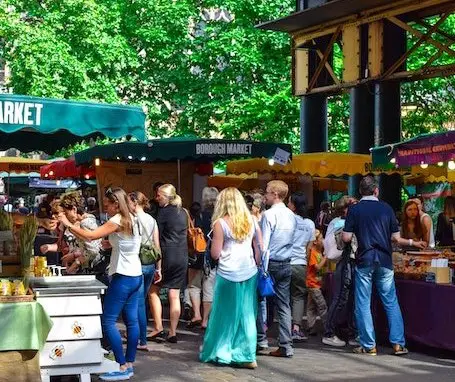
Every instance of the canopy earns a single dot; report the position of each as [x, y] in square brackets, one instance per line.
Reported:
[18, 165]
[24, 120]
[170, 149]
[250, 182]
[64, 169]
[424, 149]
[314, 164]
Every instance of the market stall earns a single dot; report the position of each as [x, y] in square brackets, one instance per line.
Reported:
[303, 172]
[38, 124]
[66, 169]
[427, 274]
[250, 182]
[184, 162]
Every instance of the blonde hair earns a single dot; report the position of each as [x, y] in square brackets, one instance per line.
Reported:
[278, 187]
[171, 194]
[209, 195]
[230, 203]
[119, 196]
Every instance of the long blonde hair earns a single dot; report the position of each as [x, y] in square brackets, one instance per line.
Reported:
[119, 196]
[171, 194]
[230, 203]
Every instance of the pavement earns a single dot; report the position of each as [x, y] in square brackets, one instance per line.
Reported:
[312, 361]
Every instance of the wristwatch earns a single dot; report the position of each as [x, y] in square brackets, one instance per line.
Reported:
[411, 242]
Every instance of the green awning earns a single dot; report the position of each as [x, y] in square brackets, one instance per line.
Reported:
[169, 149]
[26, 122]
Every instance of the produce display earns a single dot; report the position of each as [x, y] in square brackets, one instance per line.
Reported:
[12, 288]
[415, 265]
[27, 236]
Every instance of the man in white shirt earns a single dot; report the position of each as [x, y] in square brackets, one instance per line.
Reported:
[278, 225]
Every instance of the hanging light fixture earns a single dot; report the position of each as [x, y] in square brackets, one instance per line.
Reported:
[271, 162]
[451, 165]
[424, 165]
[440, 164]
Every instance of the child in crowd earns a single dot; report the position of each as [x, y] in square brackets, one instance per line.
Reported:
[316, 305]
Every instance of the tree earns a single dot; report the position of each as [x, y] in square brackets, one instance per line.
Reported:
[200, 67]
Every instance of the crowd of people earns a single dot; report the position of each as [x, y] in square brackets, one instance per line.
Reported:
[242, 232]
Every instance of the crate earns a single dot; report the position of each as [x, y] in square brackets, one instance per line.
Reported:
[29, 297]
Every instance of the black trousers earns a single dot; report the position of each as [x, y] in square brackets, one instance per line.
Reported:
[340, 317]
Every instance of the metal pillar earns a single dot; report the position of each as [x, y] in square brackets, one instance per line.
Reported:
[387, 122]
[361, 127]
[361, 122]
[313, 124]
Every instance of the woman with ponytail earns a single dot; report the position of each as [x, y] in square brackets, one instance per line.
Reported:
[173, 226]
[126, 277]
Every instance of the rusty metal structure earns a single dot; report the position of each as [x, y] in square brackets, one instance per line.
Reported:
[372, 36]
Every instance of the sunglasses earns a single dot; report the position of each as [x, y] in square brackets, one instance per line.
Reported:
[110, 194]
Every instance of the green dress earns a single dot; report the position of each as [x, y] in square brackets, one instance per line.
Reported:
[231, 335]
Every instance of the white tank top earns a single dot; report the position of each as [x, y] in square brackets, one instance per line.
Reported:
[432, 243]
[236, 262]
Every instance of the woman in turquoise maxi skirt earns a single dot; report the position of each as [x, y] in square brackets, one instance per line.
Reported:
[230, 338]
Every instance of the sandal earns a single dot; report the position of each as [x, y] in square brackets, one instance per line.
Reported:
[159, 337]
[143, 348]
[193, 324]
[399, 350]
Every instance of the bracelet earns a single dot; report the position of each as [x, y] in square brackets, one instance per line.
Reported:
[77, 261]
[411, 242]
[158, 270]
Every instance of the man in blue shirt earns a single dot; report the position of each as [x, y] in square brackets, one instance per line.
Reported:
[374, 224]
[278, 225]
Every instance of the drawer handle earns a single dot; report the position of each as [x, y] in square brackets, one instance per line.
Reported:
[78, 329]
[57, 352]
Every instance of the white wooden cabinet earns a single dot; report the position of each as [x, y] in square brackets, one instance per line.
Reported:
[73, 346]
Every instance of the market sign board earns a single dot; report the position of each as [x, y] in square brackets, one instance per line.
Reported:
[223, 149]
[20, 113]
[424, 149]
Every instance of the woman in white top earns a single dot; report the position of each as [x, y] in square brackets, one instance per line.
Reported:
[126, 277]
[150, 235]
[231, 334]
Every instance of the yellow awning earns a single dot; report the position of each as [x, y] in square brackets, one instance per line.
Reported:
[314, 164]
[20, 165]
[251, 182]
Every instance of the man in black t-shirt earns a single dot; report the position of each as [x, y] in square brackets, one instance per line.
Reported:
[374, 224]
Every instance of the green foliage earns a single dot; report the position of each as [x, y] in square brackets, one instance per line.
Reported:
[195, 75]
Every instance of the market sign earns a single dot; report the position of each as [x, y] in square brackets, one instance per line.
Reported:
[424, 149]
[20, 113]
[223, 148]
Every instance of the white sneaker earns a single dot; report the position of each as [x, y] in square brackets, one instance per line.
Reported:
[333, 341]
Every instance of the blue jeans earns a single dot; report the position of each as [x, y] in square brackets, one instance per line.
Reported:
[122, 295]
[385, 285]
[281, 274]
[148, 271]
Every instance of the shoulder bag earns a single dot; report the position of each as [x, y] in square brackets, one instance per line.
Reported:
[266, 287]
[196, 238]
[149, 252]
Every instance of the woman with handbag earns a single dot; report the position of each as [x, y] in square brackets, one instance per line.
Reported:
[173, 226]
[126, 277]
[150, 242]
[230, 338]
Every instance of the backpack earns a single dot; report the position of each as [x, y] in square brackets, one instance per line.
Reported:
[196, 238]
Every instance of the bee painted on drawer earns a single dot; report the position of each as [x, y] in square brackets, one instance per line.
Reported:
[57, 351]
[78, 330]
